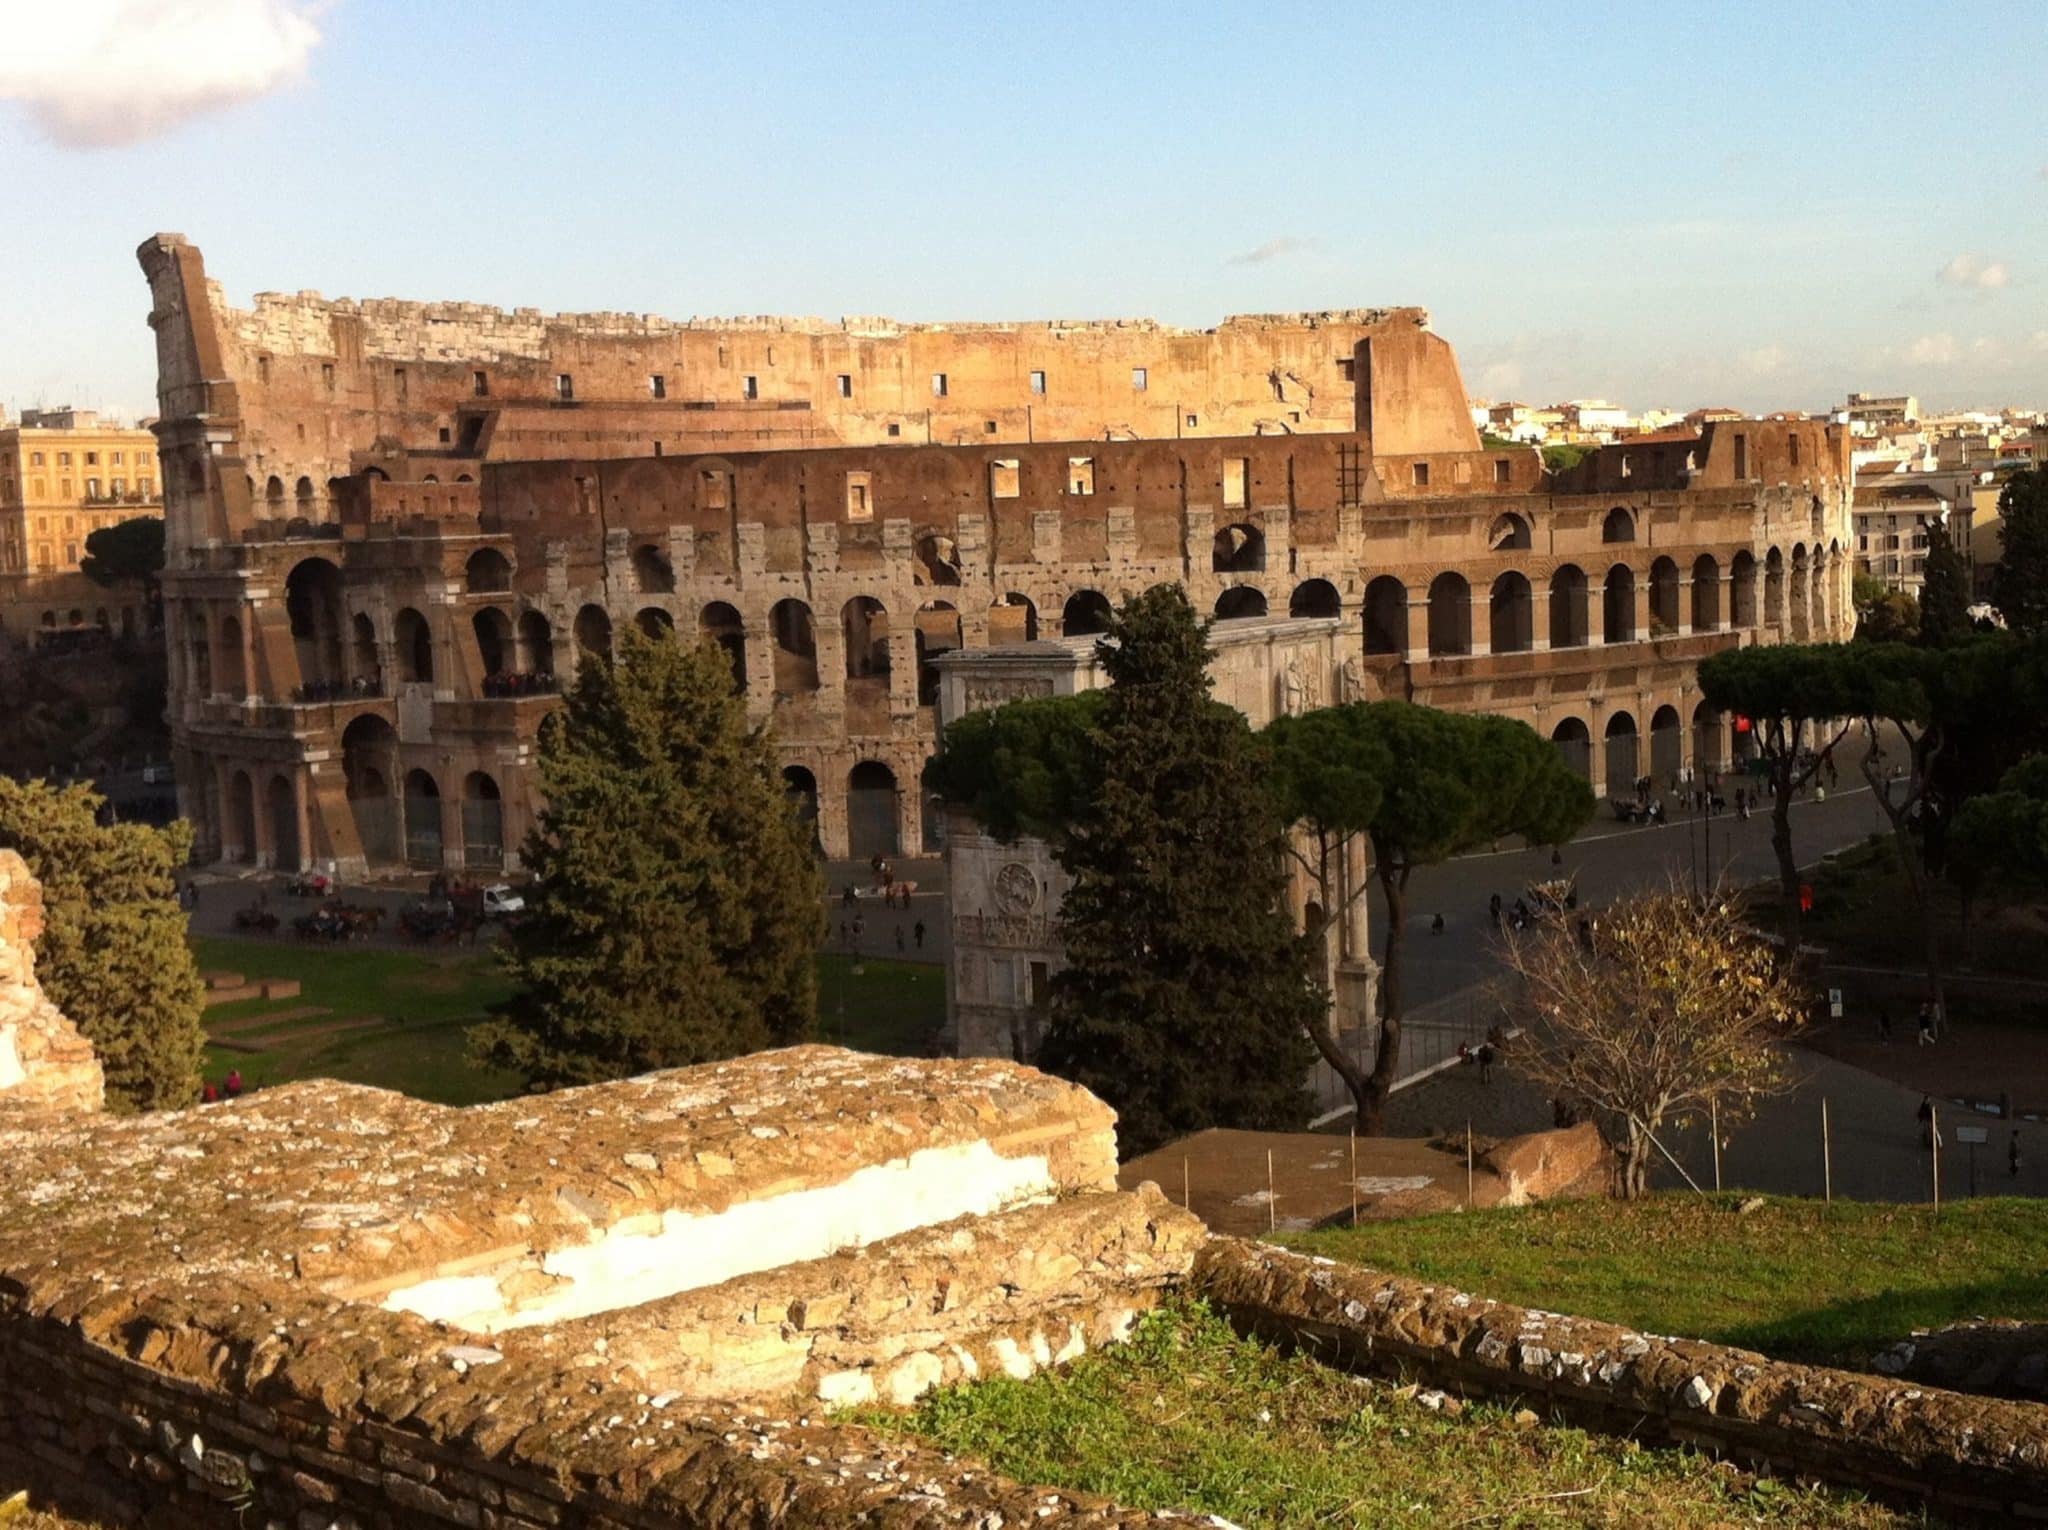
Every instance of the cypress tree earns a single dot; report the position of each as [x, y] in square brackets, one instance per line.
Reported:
[2019, 585]
[676, 908]
[1944, 591]
[113, 954]
[1187, 996]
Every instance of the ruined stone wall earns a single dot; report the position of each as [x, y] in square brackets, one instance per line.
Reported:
[45, 1064]
[1965, 1457]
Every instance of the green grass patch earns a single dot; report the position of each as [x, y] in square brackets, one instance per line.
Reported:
[1191, 1416]
[424, 1003]
[1796, 1279]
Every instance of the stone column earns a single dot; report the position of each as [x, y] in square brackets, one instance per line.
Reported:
[1418, 628]
[760, 650]
[1357, 938]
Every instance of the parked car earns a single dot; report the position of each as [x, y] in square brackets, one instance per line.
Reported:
[501, 899]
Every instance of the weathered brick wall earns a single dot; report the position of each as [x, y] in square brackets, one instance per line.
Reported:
[1966, 1456]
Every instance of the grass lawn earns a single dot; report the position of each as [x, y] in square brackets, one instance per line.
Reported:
[398, 1019]
[1190, 1416]
[1796, 1279]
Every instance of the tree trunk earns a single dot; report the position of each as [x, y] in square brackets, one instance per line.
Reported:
[1372, 1107]
[1635, 1163]
[1916, 874]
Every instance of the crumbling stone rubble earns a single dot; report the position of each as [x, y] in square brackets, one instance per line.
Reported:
[45, 1064]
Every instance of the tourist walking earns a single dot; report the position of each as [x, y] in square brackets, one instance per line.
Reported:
[2012, 1154]
[233, 1086]
[917, 934]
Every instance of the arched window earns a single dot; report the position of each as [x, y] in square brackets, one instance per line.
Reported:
[1618, 605]
[1386, 616]
[1742, 590]
[1622, 752]
[241, 843]
[796, 648]
[721, 623]
[1667, 745]
[1315, 597]
[1509, 533]
[415, 647]
[483, 823]
[1013, 619]
[422, 820]
[1575, 743]
[1085, 613]
[1238, 549]
[1774, 588]
[363, 645]
[536, 644]
[1664, 602]
[234, 679]
[652, 574]
[283, 804]
[1568, 619]
[1706, 594]
[494, 643]
[1450, 616]
[1240, 601]
[593, 632]
[304, 495]
[801, 788]
[313, 606]
[487, 572]
[864, 622]
[1620, 526]
[1709, 739]
[1511, 615]
[938, 632]
[873, 820]
[273, 493]
[654, 622]
[938, 561]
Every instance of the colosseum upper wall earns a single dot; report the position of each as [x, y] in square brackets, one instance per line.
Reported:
[365, 637]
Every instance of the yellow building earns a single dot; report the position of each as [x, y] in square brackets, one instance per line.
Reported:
[64, 475]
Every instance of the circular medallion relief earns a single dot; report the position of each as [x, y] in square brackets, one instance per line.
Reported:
[1016, 889]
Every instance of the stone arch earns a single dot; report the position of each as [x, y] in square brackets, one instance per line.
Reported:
[1239, 548]
[654, 622]
[487, 572]
[1386, 616]
[1706, 593]
[494, 641]
[1450, 615]
[1619, 526]
[1240, 601]
[1624, 748]
[1315, 597]
[1618, 605]
[873, 811]
[938, 561]
[1013, 619]
[302, 492]
[483, 822]
[273, 494]
[1667, 744]
[281, 802]
[1575, 743]
[1511, 614]
[721, 623]
[1709, 739]
[234, 672]
[423, 846]
[1774, 589]
[800, 787]
[536, 644]
[864, 623]
[1568, 612]
[313, 607]
[796, 647]
[242, 817]
[1742, 589]
[1664, 600]
[415, 643]
[652, 572]
[1086, 613]
[369, 765]
[593, 632]
[1508, 533]
[938, 631]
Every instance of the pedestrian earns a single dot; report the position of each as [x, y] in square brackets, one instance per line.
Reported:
[1884, 1024]
[210, 1094]
[1493, 907]
[1485, 1062]
[1557, 855]
[232, 1086]
[2012, 1154]
[1926, 1024]
[917, 934]
[899, 937]
[1929, 1137]
[860, 926]
[1436, 925]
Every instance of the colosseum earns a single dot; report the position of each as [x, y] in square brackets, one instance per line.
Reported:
[393, 528]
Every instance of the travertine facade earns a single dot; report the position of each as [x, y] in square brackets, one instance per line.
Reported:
[378, 571]
[45, 1064]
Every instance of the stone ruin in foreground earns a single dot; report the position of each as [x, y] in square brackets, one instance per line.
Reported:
[638, 1304]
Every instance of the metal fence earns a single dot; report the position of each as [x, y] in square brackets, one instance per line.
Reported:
[1430, 1037]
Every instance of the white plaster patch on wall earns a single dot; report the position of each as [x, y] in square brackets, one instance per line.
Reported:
[11, 1071]
[692, 1250]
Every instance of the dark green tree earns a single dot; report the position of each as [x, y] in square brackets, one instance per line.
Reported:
[1423, 786]
[113, 954]
[1944, 617]
[1186, 999]
[676, 905]
[127, 552]
[1795, 697]
[2004, 834]
[2019, 585]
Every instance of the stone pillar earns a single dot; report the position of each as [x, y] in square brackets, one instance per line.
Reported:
[1684, 603]
[1357, 938]
[302, 803]
[760, 647]
[1642, 609]
[453, 852]
[902, 666]
[909, 815]
[1418, 627]
[832, 815]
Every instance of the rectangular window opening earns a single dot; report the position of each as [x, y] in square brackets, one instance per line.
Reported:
[565, 385]
[1420, 474]
[1139, 378]
[860, 505]
[751, 388]
[657, 386]
[1503, 471]
[1347, 369]
[480, 384]
[1080, 475]
[846, 385]
[1237, 477]
[1002, 478]
[1038, 383]
[938, 385]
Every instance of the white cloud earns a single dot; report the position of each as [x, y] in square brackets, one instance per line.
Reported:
[92, 73]
[1972, 270]
[1273, 249]
[1765, 359]
[1933, 351]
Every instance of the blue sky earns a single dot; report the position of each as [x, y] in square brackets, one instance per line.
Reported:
[1759, 205]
